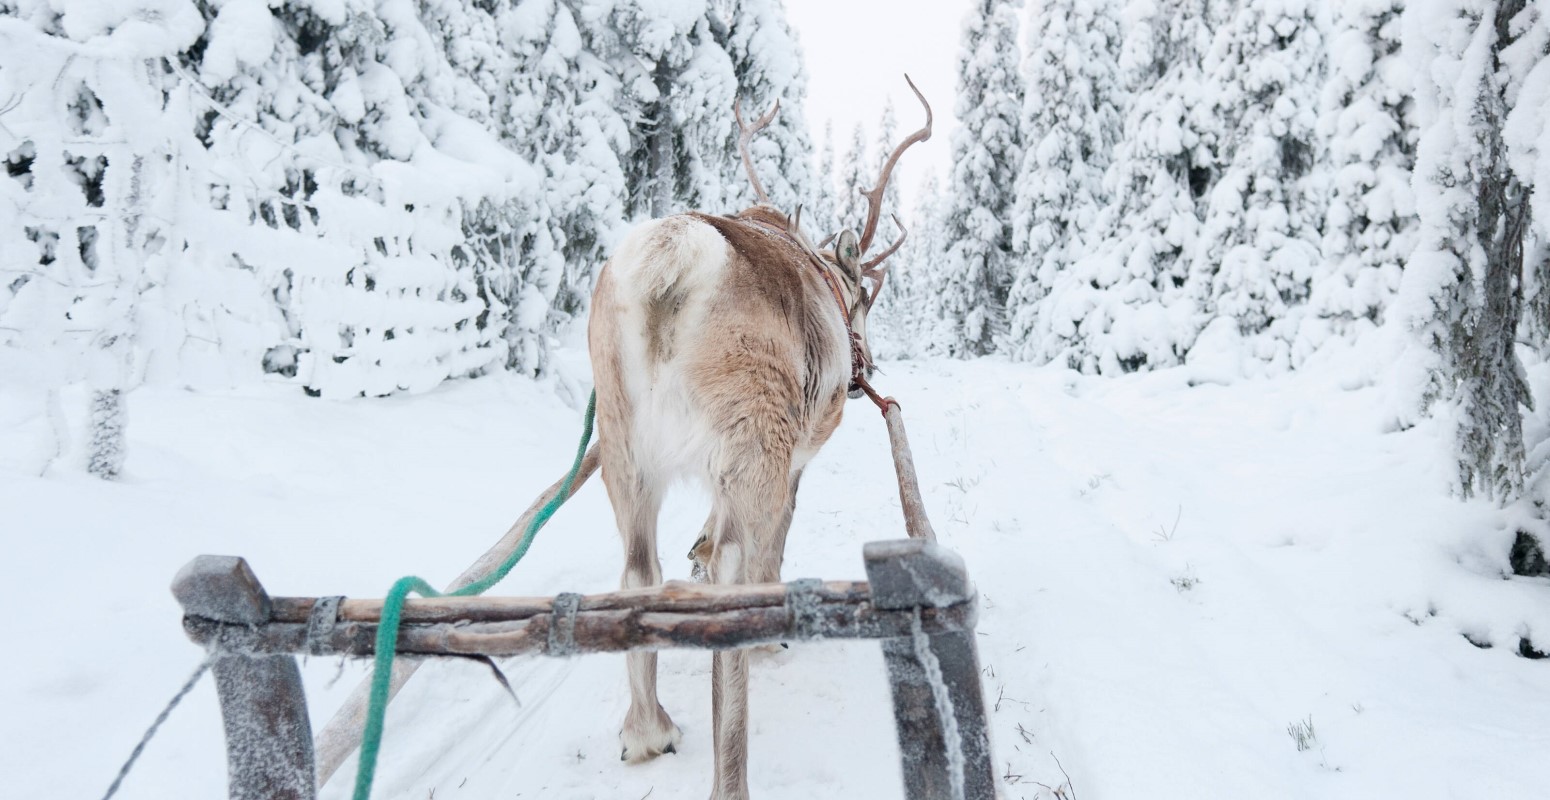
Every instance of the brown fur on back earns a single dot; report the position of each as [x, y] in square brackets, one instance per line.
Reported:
[772, 269]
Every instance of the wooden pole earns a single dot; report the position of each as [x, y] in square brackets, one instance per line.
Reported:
[263, 706]
[342, 735]
[916, 523]
[674, 596]
[939, 708]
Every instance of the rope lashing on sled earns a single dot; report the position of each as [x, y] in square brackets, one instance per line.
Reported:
[393, 607]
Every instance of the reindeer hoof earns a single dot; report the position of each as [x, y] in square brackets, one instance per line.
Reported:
[648, 738]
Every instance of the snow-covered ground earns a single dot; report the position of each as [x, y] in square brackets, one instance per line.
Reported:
[1170, 576]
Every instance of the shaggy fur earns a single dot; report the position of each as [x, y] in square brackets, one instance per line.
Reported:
[721, 356]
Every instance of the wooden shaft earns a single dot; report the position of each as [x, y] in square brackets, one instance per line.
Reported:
[342, 735]
[916, 523]
[595, 631]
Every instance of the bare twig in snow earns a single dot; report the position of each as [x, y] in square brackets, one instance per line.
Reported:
[1069, 784]
[1166, 534]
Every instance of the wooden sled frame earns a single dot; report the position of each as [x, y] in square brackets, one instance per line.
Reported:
[919, 603]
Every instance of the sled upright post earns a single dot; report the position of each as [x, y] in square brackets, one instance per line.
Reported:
[263, 704]
[938, 707]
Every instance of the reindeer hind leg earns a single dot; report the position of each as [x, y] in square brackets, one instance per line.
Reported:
[751, 520]
[648, 731]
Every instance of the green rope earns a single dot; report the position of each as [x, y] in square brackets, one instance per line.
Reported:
[393, 607]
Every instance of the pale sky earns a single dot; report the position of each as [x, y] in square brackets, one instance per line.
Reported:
[857, 52]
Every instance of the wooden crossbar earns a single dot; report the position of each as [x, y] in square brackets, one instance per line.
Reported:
[672, 617]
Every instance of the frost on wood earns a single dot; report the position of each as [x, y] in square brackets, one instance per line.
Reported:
[263, 704]
[939, 707]
[931, 670]
[268, 732]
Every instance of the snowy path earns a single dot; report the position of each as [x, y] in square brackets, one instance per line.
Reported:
[1317, 568]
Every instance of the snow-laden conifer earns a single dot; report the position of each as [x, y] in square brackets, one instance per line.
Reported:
[1365, 126]
[821, 218]
[899, 325]
[1260, 231]
[1461, 290]
[987, 148]
[852, 179]
[1070, 127]
[767, 64]
[1125, 302]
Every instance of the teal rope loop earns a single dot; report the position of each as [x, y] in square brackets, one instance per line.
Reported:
[393, 609]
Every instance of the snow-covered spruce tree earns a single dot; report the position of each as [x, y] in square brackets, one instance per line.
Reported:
[767, 63]
[557, 107]
[1071, 125]
[386, 143]
[853, 178]
[1369, 222]
[1527, 136]
[1461, 290]
[1259, 242]
[986, 147]
[677, 86]
[900, 326]
[87, 183]
[822, 219]
[356, 185]
[1126, 303]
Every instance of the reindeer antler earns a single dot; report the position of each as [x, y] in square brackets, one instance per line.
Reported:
[875, 195]
[745, 135]
[869, 269]
[878, 259]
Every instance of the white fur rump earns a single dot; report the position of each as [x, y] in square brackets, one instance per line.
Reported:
[666, 272]
[675, 254]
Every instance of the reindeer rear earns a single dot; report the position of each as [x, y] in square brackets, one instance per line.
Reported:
[723, 350]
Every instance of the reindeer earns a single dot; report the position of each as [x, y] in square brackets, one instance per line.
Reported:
[723, 349]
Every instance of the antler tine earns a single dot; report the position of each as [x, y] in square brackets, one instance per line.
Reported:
[874, 196]
[867, 268]
[827, 240]
[745, 136]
